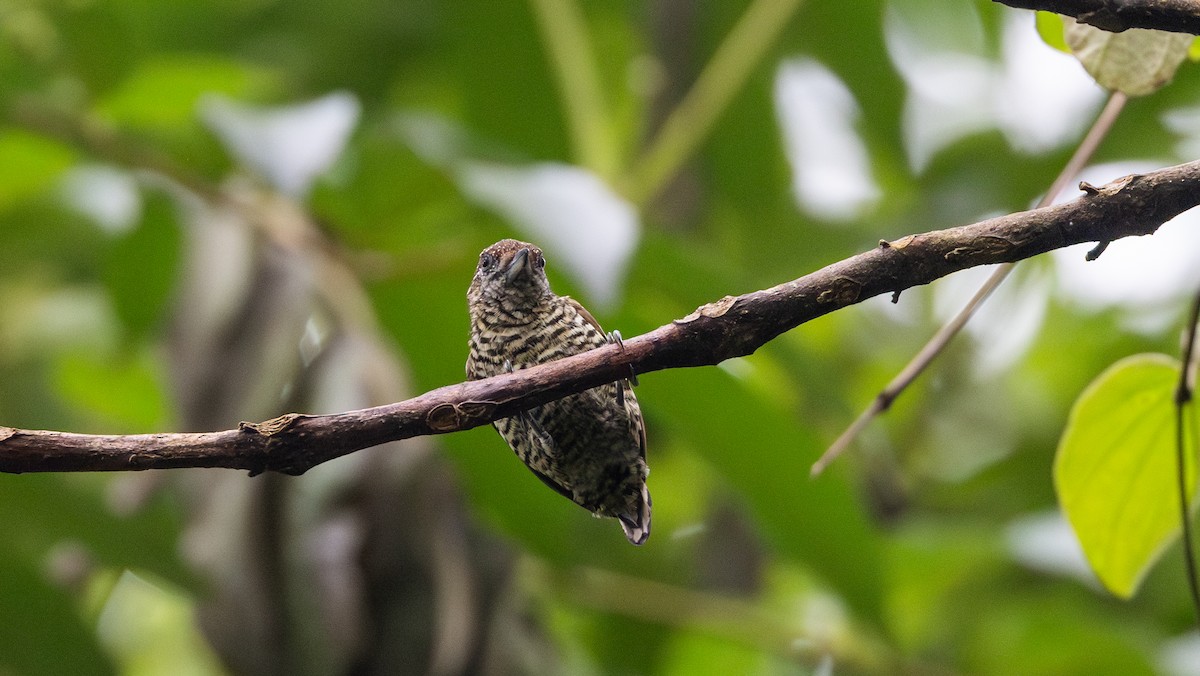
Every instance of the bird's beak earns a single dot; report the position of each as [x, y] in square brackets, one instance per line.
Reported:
[517, 266]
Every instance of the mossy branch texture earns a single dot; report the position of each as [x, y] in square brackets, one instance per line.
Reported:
[733, 326]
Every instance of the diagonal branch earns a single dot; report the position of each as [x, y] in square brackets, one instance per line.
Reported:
[730, 327]
[1179, 16]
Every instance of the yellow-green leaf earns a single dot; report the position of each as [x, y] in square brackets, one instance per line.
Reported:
[122, 394]
[29, 164]
[163, 93]
[1050, 28]
[1137, 61]
[1115, 470]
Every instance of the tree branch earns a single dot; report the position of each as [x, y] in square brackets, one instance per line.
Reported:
[1179, 16]
[730, 327]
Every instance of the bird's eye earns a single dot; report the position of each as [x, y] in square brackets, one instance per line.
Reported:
[486, 261]
[541, 262]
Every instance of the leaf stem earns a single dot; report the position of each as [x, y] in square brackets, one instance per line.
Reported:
[690, 123]
[565, 35]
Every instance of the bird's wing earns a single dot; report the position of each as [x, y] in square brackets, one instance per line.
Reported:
[631, 405]
[587, 316]
[524, 429]
[636, 414]
[595, 339]
[472, 350]
[566, 493]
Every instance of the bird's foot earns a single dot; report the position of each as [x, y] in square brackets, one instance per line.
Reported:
[523, 416]
[615, 337]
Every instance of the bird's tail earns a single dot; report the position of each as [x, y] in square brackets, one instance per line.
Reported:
[637, 525]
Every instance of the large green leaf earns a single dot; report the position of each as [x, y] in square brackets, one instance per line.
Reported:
[1115, 472]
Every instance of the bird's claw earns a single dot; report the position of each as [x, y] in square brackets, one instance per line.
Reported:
[523, 416]
[614, 336]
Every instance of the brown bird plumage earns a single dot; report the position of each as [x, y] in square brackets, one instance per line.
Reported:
[591, 446]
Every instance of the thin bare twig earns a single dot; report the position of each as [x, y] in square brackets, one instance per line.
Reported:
[730, 327]
[1183, 397]
[917, 365]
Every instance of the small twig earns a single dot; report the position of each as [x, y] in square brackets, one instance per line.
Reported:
[883, 401]
[917, 365]
[1100, 248]
[1183, 397]
[730, 327]
[1180, 16]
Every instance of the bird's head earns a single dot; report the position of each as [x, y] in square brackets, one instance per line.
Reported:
[511, 274]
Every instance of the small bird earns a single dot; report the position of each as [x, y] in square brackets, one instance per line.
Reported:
[589, 447]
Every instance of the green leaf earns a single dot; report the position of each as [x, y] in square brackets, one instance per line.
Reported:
[140, 269]
[149, 626]
[1137, 62]
[123, 394]
[1050, 28]
[45, 632]
[697, 653]
[1115, 469]
[163, 93]
[28, 165]
[78, 508]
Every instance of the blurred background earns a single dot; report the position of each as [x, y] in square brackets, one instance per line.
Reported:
[214, 211]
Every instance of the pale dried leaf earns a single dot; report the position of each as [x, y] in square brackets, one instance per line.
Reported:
[1137, 61]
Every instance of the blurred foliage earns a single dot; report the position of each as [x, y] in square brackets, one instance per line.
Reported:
[151, 281]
